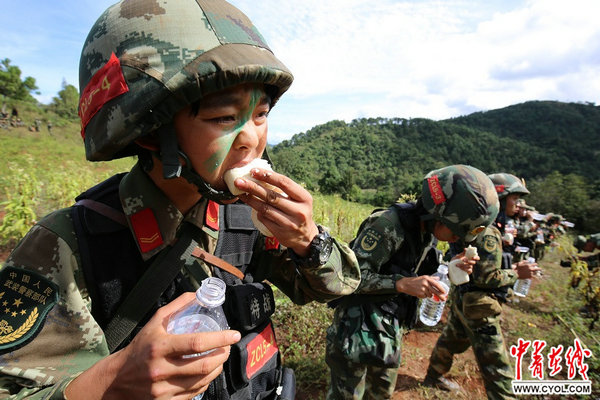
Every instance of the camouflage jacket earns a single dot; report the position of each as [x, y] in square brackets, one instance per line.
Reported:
[366, 326]
[43, 278]
[487, 273]
[381, 237]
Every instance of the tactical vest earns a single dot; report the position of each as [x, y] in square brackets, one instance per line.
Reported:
[112, 265]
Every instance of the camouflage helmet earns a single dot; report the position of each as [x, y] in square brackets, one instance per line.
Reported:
[462, 198]
[144, 60]
[508, 184]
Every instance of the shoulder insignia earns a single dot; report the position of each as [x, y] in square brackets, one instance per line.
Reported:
[25, 299]
[271, 243]
[370, 240]
[490, 243]
[146, 230]
[212, 215]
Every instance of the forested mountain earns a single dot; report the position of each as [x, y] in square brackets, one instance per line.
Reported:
[376, 159]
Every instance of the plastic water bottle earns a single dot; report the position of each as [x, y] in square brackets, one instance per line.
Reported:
[521, 287]
[203, 314]
[432, 307]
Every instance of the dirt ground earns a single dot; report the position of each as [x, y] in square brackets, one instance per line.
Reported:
[416, 349]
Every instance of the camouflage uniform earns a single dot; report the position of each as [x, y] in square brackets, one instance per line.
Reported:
[169, 56]
[70, 340]
[364, 341]
[474, 320]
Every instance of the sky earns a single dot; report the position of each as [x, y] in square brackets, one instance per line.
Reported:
[351, 59]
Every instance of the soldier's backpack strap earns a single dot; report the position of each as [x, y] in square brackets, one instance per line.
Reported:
[152, 284]
[154, 281]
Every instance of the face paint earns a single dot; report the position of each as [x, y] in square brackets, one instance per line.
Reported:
[226, 141]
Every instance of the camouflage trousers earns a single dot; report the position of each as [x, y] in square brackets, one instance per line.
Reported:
[485, 335]
[363, 352]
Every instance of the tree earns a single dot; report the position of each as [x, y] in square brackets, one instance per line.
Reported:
[11, 84]
[566, 195]
[67, 101]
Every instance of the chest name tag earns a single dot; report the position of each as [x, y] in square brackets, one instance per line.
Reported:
[25, 299]
[260, 350]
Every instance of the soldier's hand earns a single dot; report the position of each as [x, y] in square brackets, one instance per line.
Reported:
[526, 270]
[464, 263]
[422, 287]
[151, 366]
[289, 218]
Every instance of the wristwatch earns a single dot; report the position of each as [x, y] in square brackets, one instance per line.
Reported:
[319, 252]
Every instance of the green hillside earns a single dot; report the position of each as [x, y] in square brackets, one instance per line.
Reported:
[375, 160]
[567, 133]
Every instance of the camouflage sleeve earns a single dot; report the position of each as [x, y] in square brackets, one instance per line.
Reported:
[488, 273]
[339, 276]
[47, 333]
[379, 239]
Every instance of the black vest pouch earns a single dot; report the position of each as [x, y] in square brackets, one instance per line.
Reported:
[254, 362]
[248, 305]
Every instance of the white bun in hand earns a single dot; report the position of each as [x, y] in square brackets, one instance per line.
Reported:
[471, 252]
[259, 225]
[244, 172]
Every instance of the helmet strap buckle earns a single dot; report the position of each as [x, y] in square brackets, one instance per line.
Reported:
[169, 151]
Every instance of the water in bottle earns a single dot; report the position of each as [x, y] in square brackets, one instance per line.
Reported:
[521, 287]
[432, 307]
[203, 314]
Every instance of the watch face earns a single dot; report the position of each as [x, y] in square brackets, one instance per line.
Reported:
[325, 247]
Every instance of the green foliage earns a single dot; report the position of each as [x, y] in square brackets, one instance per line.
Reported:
[44, 173]
[341, 216]
[567, 195]
[67, 101]
[11, 84]
[300, 334]
[21, 191]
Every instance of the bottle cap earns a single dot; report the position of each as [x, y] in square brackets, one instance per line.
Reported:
[211, 292]
[442, 269]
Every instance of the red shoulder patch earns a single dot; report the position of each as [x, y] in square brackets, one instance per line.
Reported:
[106, 84]
[212, 215]
[146, 230]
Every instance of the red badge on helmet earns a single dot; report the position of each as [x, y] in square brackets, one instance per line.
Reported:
[106, 84]
[499, 188]
[437, 194]
[146, 230]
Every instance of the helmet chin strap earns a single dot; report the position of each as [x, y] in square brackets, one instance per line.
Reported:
[172, 168]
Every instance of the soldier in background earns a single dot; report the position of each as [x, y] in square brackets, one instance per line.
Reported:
[186, 86]
[476, 306]
[526, 231]
[393, 247]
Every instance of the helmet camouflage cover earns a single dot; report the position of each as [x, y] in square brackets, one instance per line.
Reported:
[508, 184]
[144, 60]
[462, 198]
